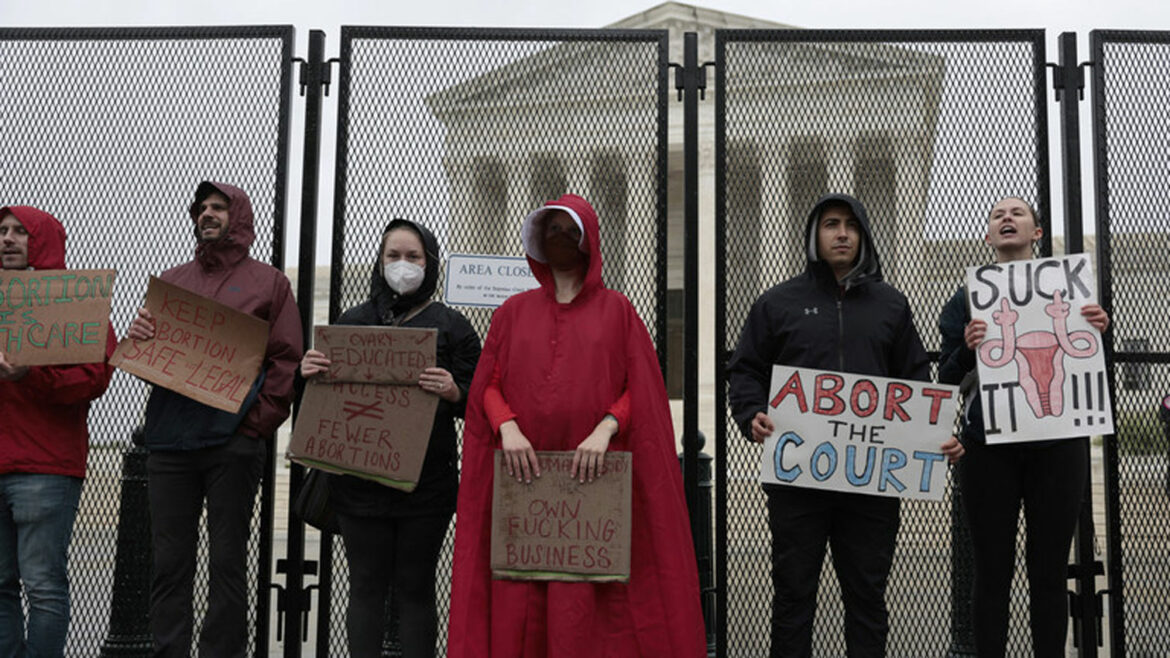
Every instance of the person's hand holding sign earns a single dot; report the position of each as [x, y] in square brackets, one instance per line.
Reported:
[518, 452]
[9, 372]
[314, 363]
[762, 427]
[441, 383]
[142, 328]
[953, 450]
[590, 453]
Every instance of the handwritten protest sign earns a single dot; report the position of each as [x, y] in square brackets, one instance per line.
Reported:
[557, 528]
[377, 431]
[857, 433]
[202, 349]
[52, 317]
[1041, 367]
[375, 355]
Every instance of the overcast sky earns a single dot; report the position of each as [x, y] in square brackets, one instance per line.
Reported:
[1055, 16]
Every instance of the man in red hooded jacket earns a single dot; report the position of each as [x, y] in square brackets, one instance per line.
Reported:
[199, 453]
[43, 444]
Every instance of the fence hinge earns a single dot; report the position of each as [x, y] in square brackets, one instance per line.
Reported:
[1086, 604]
[680, 80]
[300, 601]
[1069, 77]
[315, 73]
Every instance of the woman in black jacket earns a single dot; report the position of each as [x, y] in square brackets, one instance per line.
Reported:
[1048, 477]
[393, 538]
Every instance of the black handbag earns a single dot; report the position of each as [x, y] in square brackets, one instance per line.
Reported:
[312, 502]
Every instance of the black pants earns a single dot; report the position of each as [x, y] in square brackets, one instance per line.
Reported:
[862, 531]
[1050, 481]
[226, 477]
[399, 553]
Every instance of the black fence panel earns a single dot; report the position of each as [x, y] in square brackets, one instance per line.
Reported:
[110, 130]
[465, 130]
[928, 129]
[1131, 137]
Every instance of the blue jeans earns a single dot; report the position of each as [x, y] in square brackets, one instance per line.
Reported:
[36, 522]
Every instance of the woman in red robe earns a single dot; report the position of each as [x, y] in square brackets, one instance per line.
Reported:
[570, 366]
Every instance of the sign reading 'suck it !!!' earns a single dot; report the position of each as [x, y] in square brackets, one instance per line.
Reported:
[558, 528]
[202, 349]
[50, 317]
[857, 433]
[1041, 366]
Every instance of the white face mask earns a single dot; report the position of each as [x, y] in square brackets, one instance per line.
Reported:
[403, 276]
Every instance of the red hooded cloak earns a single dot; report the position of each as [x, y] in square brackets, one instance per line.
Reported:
[560, 368]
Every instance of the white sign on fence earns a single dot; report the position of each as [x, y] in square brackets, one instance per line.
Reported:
[1041, 367]
[486, 281]
[858, 433]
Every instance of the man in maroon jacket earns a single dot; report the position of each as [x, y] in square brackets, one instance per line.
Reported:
[43, 444]
[198, 453]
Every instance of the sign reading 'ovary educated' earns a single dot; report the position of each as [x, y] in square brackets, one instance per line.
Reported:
[52, 317]
[558, 528]
[376, 431]
[857, 433]
[1041, 366]
[202, 349]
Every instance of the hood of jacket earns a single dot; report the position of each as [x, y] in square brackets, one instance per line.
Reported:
[390, 304]
[233, 246]
[582, 212]
[868, 266]
[46, 237]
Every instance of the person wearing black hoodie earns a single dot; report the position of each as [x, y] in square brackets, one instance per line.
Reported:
[838, 315]
[393, 538]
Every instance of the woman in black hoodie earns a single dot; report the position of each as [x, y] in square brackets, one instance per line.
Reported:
[393, 538]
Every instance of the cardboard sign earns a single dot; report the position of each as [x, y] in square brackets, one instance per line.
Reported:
[50, 317]
[486, 281]
[378, 432]
[202, 349]
[858, 433]
[1041, 366]
[557, 528]
[375, 355]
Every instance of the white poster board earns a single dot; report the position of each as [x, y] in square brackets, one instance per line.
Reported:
[1041, 366]
[857, 433]
[485, 281]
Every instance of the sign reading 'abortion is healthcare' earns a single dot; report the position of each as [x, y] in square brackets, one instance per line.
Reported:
[857, 433]
[1041, 366]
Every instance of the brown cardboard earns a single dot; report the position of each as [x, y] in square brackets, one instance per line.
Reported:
[50, 317]
[557, 528]
[375, 431]
[202, 349]
[375, 355]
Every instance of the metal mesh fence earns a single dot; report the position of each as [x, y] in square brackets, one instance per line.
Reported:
[928, 130]
[467, 130]
[1132, 137]
[110, 130]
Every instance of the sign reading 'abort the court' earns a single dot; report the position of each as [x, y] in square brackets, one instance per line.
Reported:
[857, 433]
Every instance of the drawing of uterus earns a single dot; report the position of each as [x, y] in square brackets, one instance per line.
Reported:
[1039, 355]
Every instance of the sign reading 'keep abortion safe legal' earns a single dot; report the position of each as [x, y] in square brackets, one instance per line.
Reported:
[857, 433]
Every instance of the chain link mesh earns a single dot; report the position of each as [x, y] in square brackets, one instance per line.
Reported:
[110, 130]
[1130, 93]
[466, 131]
[927, 130]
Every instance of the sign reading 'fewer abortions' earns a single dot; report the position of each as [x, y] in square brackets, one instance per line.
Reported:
[558, 528]
[202, 349]
[1041, 367]
[50, 317]
[376, 431]
[857, 433]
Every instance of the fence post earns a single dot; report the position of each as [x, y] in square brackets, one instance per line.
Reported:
[129, 633]
[1068, 80]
